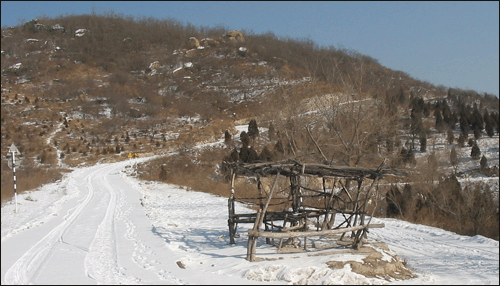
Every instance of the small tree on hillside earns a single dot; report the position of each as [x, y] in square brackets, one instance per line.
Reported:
[423, 142]
[271, 133]
[453, 157]
[265, 155]
[477, 132]
[464, 125]
[253, 129]
[483, 163]
[440, 124]
[489, 124]
[245, 139]
[475, 152]
[228, 139]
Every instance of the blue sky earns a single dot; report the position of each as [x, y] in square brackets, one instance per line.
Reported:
[454, 44]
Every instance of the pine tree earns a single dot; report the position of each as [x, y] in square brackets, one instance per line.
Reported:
[489, 125]
[477, 119]
[245, 139]
[423, 142]
[265, 155]
[483, 163]
[464, 125]
[453, 157]
[477, 132]
[439, 121]
[244, 153]
[253, 129]
[271, 132]
[228, 139]
[475, 152]
[234, 156]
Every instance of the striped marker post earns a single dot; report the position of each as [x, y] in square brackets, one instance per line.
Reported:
[14, 170]
[13, 151]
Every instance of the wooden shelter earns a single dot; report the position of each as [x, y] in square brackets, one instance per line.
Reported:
[294, 203]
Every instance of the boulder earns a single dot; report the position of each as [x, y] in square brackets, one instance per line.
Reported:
[207, 42]
[242, 51]
[80, 32]
[154, 65]
[193, 43]
[234, 36]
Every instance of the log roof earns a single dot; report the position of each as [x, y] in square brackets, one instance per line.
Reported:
[292, 168]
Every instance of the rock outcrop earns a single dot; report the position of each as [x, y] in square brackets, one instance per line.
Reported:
[234, 36]
[193, 43]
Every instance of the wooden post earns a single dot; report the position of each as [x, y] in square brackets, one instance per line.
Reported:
[261, 204]
[252, 240]
[326, 222]
[230, 221]
[361, 233]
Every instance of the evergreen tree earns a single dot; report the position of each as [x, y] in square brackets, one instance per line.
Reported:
[265, 155]
[244, 153]
[402, 98]
[253, 130]
[483, 163]
[245, 139]
[234, 156]
[477, 119]
[453, 157]
[228, 139]
[423, 142]
[439, 121]
[489, 125]
[475, 152]
[464, 125]
[252, 155]
[278, 148]
[477, 132]
[271, 132]
[416, 125]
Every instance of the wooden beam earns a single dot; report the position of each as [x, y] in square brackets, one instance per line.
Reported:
[257, 233]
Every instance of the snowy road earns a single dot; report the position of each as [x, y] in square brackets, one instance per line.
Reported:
[99, 235]
[100, 226]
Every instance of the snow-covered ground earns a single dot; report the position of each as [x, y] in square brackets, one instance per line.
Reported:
[99, 225]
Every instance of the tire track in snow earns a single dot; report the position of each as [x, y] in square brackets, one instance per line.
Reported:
[101, 263]
[26, 267]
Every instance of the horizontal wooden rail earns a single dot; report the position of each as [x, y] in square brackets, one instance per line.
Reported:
[267, 234]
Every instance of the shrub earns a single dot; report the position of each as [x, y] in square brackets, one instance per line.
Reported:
[475, 152]
[228, 139]
[245, 138]
[483, 163]
[253, 130]
[453, 157]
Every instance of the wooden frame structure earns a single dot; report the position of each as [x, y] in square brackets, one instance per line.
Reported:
[293, 205]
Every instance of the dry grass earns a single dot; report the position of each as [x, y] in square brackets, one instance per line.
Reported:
[28, 178]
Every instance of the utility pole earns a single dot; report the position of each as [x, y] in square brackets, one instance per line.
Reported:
[11, 157]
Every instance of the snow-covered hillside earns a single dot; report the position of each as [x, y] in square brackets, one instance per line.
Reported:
[99, 225]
